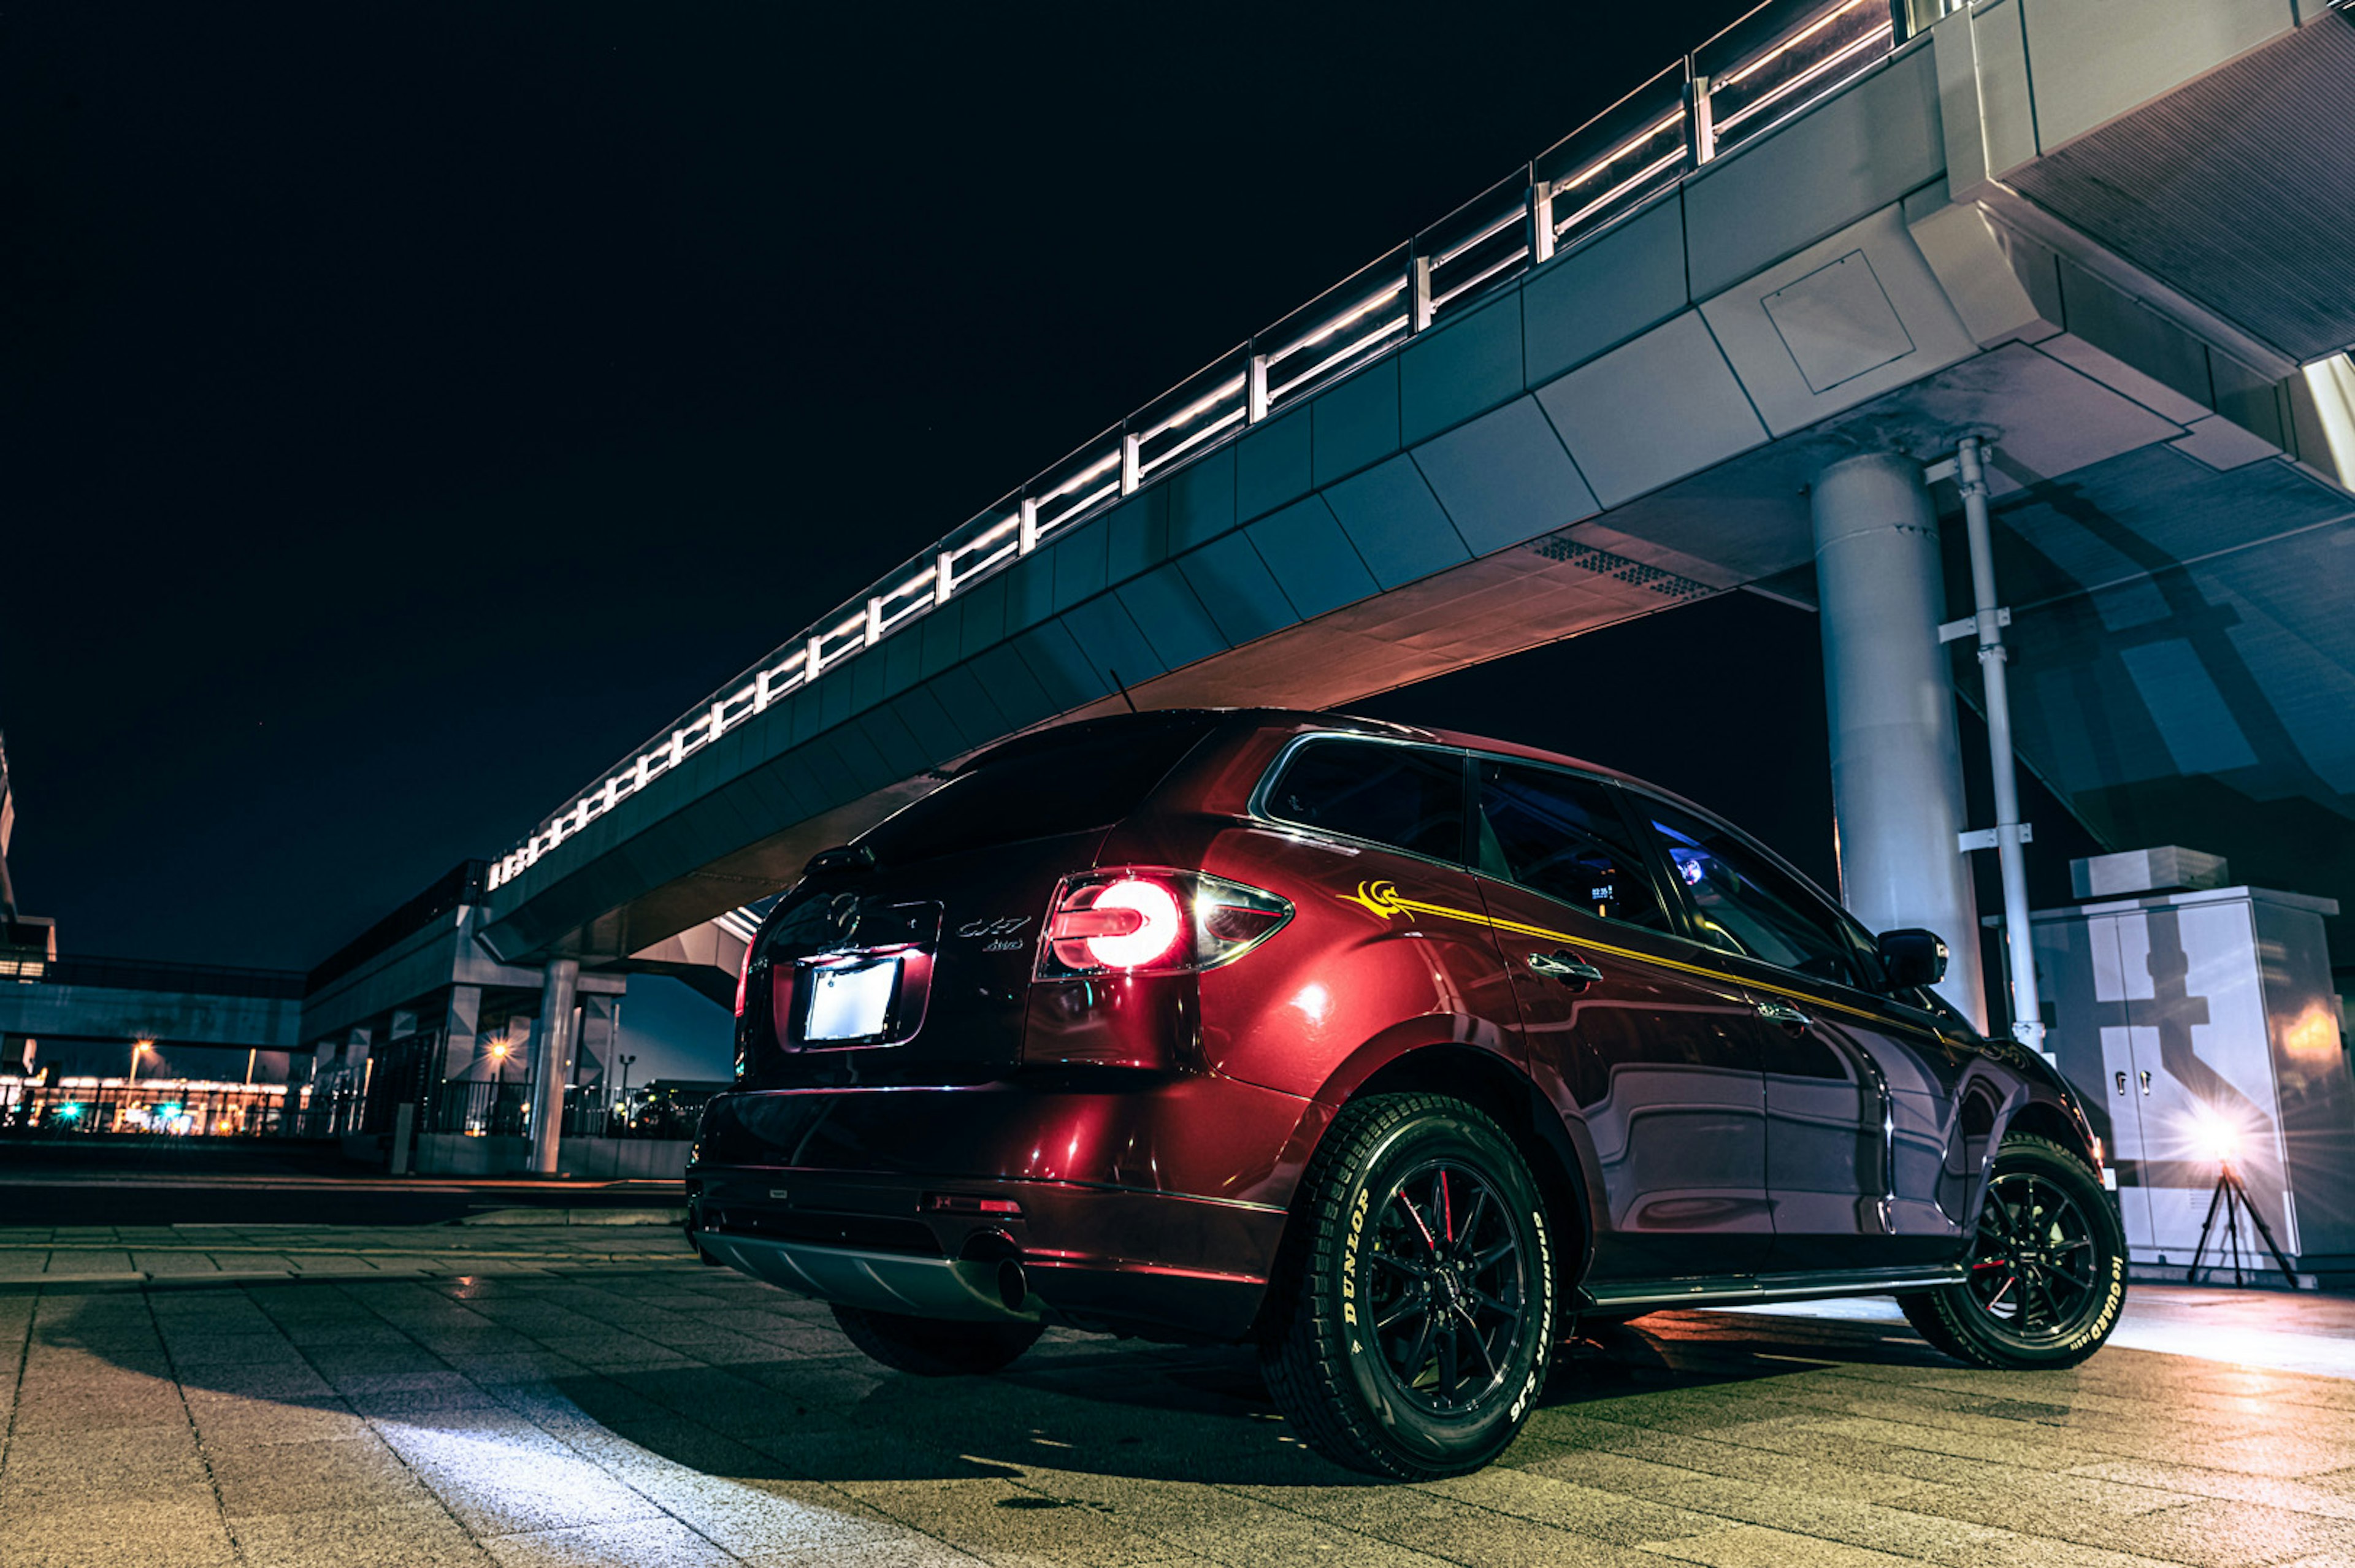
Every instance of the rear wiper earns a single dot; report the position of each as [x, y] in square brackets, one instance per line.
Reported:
[841, 860]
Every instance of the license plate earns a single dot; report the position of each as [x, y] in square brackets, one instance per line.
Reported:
[850, 1001]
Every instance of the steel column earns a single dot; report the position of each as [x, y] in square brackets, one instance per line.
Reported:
[551, 1061]
[1897, 772]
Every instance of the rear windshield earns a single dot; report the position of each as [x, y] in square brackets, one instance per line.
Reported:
[1065, 780]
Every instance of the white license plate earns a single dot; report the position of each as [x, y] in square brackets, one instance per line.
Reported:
[850, 1001]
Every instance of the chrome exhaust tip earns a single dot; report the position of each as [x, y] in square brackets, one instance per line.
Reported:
[1013, 1284]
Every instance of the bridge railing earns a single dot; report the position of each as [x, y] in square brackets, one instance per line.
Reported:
[1773, 61]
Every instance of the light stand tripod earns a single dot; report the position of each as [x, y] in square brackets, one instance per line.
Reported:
[2232, 1198]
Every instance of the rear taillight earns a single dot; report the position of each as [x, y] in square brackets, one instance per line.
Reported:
[1154, 921]
[743, 976]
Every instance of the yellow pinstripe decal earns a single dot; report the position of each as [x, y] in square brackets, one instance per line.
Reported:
[1384, 900]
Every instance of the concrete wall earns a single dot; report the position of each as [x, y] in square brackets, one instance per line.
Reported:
[606, 1159]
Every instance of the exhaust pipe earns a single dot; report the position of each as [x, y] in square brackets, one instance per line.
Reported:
[994, 1259]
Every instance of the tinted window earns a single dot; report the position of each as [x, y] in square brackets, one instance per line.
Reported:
[1066, 780]
[1404, 795]
[1562, 836]
[1745, 903]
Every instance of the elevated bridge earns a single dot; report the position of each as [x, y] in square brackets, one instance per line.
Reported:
[1707, 343]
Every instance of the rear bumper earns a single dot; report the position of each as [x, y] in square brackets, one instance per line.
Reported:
[964, 1289]
[1155, 1209]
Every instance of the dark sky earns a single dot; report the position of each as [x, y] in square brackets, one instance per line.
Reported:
[405, 410]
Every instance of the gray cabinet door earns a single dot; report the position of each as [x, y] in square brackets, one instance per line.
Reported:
[2188, 1066]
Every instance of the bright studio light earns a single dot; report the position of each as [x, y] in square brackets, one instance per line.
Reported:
[2215, 1138]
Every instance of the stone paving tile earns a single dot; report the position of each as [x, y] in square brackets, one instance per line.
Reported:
[407, 1535]
[666, 1412]
[97, 1533]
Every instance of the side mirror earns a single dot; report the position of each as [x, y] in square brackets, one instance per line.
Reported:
[1913, 957]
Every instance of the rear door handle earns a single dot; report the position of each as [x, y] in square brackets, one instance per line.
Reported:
[1564, 967]
[1783, 1013]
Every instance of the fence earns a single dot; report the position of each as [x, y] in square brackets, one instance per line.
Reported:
[493, 1109]
[1767, 66]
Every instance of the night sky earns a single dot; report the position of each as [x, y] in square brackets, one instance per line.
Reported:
[405, 411]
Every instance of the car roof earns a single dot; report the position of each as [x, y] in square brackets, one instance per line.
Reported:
[1310, 721]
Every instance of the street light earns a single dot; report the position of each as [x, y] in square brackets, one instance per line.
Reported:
[626, 1062]
[139, 1048]
[499, 1060]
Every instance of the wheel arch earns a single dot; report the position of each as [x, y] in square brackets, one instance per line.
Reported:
[2049, 1119]
[1496, 1087]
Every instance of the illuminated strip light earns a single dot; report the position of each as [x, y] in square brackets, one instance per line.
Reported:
[1205, 433]
[1072, 513]
[1784, 45]
[1277, 394]
[1196, 409]
[1439, 302]
[740, 924]
[1518, 214]
[1562, 226]
[1603, 164]
[1332, 327]
[1829, 62]
[1102, 464]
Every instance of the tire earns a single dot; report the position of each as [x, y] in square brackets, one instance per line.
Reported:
[1412, 1322]
[932, 1348]
[2048, 1268]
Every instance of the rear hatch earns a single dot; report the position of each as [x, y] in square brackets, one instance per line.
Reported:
[909, 961]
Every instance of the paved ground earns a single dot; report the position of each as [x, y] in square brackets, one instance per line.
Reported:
[565, 1411]
[84, 1255]
[260, 1181]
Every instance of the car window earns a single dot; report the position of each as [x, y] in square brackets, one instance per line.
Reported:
[1408, 797]
[1562, 836]
[1747, 905]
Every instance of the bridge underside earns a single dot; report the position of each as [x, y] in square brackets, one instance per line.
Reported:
[1633, 426]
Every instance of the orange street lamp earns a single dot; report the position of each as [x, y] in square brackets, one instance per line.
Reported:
[499, 1057]
[139, 1048]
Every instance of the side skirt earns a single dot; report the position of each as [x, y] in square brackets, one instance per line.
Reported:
[1613, 1295]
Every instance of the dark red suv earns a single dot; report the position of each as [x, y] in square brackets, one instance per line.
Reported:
[1391, 1051]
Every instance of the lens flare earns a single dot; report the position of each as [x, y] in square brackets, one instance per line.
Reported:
[2215, 1137]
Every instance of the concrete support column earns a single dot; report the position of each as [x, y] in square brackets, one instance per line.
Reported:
[1897, 772]
[461, 1022]
[550, 1062]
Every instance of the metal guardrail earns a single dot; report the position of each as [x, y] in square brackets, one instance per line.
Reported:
[1765, 67]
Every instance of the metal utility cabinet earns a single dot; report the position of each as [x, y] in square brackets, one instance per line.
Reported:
[2179, 1014]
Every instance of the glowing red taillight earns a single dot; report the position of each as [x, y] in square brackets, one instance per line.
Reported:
[1118, 925]
[1154, 921]
[743, 975]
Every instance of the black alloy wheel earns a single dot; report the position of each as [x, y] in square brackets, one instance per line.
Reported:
[2047, 1276]
[1447, 1292]
[1411, 1324]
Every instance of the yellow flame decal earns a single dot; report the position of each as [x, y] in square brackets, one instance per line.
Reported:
[1383, 900]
